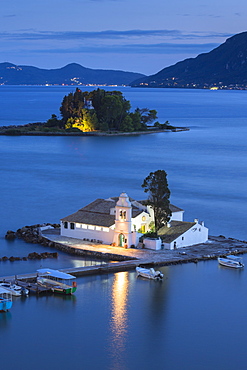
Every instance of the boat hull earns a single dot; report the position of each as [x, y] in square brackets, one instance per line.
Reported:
[66, 291]
[149, 273]
[12, 289]
[232, 264]
[56, 287]
[5, 304]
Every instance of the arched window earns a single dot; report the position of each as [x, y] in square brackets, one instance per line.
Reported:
[122, 215]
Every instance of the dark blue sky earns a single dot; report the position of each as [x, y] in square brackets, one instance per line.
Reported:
[133, 35]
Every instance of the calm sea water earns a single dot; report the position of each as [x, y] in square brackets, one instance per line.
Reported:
[196, 318]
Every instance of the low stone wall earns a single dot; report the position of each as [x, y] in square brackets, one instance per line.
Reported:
[92, 254]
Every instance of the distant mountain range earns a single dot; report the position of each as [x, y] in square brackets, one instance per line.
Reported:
[223, 67]
[71, 74]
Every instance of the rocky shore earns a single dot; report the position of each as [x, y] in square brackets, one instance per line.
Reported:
[31, 234]
[15, 130]
[31, 256]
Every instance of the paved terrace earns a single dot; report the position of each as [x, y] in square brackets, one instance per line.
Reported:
[215, 247]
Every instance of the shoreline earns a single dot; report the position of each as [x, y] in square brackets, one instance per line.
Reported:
[134, 133]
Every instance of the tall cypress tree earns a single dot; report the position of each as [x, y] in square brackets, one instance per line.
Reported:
[156, 185]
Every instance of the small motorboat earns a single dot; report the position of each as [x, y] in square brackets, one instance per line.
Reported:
[5, 300]
[231, 261]
[24, 291]
[149, 273]
[14, 289]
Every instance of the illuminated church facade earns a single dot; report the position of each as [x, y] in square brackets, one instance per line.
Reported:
[121, 221]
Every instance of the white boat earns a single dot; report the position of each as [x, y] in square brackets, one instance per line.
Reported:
[14, 289]
[149, 273]
[55, 280]
[5, 300]
[231, 261]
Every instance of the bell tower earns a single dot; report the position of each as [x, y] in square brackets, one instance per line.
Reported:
[122, 235]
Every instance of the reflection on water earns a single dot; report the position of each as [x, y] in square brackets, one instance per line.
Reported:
[119, 324]
[5, 318]
[87, 262]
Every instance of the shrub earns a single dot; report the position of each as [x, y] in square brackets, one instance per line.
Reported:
[14, 132]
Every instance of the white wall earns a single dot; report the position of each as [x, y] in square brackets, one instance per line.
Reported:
[107, 237]
[90, 232]
[137, 221]
[195, 235]
[177, 216]
[154, 244]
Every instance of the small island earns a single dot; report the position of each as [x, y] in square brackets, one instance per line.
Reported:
[98, 112]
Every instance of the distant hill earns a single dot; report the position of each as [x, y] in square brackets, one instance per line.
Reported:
[223, 67]
[72, 74]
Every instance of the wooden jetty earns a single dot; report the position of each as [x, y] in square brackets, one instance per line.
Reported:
[33, 287]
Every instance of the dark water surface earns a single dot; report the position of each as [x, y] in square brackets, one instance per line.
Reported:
[196, 318]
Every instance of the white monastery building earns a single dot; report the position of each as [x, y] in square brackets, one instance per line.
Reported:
[121, 221]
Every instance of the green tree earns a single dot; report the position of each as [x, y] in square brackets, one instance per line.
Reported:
[86, 122]
[147, 115]
[136, 121]
[156, 185]
[127, 125]
[53, 122]
[111, 108]
[69, 123]
[73, 104]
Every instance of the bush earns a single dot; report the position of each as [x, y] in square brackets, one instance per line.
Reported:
[50, 129]
[14, 132]
[73, 129]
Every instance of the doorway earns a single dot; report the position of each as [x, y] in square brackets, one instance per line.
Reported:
[121, 240]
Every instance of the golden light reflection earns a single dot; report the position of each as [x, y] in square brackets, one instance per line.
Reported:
[119, 316]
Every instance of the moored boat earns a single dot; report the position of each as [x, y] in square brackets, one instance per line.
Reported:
[5, 300]
[57, 281]
[149, 273]
[14, 289]
[231, 261]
